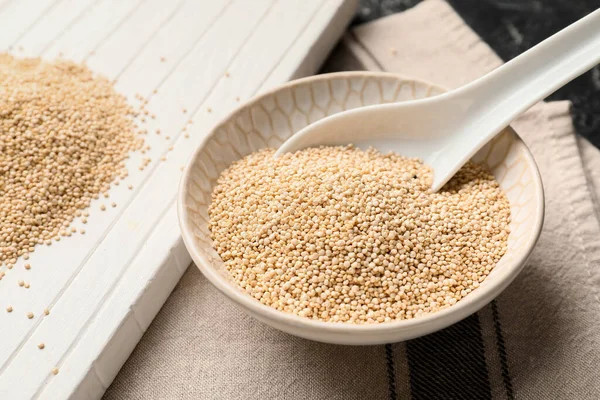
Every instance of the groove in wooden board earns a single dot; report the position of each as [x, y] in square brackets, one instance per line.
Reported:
[158, 47]
[255, 61]
[154, 295]
[288, 68]
[173, 42]
[165, 180]
[47, 262]
[94, 276]
[18, 16]
[51, 264]
[92, 29]
[129, 335]
[97, 334]
[196, 74]
[121, 47]
[101, 341]
[66, 27]
[105, 364]
[51, 25]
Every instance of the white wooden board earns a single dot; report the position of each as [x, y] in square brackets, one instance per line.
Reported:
[104, 288]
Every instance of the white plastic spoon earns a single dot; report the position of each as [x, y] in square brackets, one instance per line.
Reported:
[445, 131]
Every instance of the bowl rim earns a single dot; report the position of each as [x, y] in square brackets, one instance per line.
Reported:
[429, 322]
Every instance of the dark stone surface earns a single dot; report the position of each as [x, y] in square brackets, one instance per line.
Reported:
[513, 26]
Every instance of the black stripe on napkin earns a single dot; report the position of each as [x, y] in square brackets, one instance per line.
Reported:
[449, 364]
[501, 348]
[391, 372]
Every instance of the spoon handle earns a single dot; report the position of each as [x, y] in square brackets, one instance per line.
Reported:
[503, 94]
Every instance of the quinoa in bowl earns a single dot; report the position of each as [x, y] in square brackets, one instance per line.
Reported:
[265, 122]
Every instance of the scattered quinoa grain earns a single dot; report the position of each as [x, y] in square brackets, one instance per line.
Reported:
[340, 234]
[113, 205]
[46, 311]
[26, 285]
[54, 371]
[41, 346]
[30, 315]
[28, 266]
[9, 309]
[102, 207]
[21, 283]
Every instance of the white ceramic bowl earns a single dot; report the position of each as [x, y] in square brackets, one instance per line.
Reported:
[269, 119]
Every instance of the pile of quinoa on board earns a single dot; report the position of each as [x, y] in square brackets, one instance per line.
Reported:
[65, 134]
[340, 234]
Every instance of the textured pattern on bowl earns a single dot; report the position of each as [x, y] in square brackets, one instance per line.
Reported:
[267, 121]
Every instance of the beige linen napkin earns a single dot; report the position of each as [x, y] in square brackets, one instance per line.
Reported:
[538, 340]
